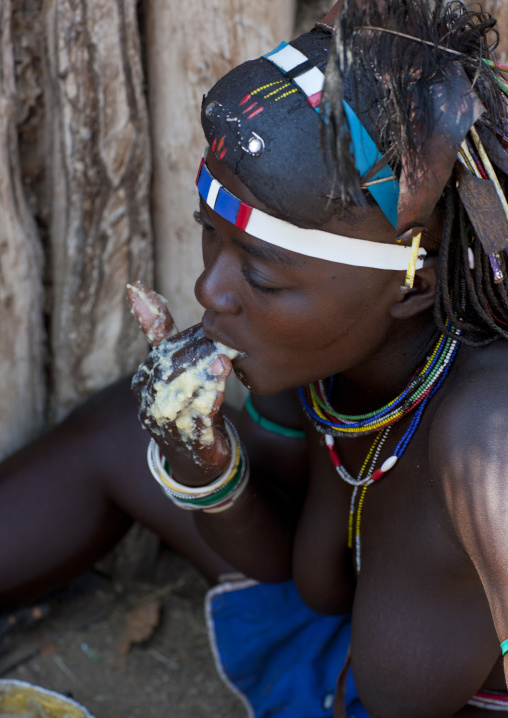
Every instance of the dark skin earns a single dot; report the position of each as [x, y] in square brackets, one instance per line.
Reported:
[428, 608]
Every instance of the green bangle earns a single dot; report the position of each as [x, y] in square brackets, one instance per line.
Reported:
[504, 647]
[219, 495]
[271, 426]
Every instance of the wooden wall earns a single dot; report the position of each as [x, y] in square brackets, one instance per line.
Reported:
[99, 144]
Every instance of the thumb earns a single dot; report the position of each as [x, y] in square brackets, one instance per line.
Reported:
[151, 311]
[221, 367]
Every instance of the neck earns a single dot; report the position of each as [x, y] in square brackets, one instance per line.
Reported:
[381, 377]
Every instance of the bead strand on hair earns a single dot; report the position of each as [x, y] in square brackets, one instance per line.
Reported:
[478, 305]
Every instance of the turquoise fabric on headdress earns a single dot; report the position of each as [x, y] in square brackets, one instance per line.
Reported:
[366, 155]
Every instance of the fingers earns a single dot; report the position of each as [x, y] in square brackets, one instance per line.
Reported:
[180, 386]
[221, 367]
[151, 311]
[215, 457]
[219, 401]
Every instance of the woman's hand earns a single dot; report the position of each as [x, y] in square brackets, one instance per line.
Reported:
[180, 389]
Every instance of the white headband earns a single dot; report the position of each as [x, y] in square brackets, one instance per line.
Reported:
[310, 242]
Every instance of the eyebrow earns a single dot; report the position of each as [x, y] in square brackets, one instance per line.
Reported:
[268, 253]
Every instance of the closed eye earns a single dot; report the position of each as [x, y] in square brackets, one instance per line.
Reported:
[250, 280]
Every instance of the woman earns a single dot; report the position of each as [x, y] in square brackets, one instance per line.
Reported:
[307, 307]
[325, 337]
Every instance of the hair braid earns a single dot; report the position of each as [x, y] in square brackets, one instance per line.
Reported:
[442, 302]
[471, 297]
[468, 296]
[394, 72]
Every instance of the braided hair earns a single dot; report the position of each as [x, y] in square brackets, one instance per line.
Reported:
[399, 48]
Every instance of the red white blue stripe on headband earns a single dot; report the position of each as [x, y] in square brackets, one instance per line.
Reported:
[310, 242]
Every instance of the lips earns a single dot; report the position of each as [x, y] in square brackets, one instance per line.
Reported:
[217, 337]
[241, 355]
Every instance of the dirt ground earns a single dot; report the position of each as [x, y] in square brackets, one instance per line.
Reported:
[75, 650]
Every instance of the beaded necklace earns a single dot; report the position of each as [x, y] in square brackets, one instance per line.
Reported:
[424, 383]
[420, 386]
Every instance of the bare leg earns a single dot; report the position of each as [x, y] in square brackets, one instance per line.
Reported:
[66, 499]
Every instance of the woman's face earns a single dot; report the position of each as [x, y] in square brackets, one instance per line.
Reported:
[296, 318]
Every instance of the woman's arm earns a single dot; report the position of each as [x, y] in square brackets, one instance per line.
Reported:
[256, 533]
[469, 448]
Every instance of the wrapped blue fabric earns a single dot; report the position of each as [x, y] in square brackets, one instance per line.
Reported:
[277, 655]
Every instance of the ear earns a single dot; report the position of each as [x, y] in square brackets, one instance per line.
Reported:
[421, 297]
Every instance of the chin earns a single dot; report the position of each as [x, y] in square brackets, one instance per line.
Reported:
[263, 382]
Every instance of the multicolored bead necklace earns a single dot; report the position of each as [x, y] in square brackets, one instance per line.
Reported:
[420, 386]
[424, 383]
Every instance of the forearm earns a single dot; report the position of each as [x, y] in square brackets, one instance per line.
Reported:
[247, 518]
[255, 535]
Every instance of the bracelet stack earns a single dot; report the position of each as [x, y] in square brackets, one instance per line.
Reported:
[218, 496]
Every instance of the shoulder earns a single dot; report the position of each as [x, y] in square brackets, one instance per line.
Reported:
[468, 444]
[473, 413]
[469, 453]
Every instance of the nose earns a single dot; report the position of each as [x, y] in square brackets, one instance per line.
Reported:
[214, 288]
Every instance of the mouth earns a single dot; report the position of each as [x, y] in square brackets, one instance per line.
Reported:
[219, 340]
[238, 357]
[234, 355]
[228, 345]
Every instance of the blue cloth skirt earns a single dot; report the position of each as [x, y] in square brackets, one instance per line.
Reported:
[276, 654]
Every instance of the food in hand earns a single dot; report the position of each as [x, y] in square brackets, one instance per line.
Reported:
[187, 400]
[150, 309]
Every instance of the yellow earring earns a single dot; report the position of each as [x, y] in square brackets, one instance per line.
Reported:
[413, 258]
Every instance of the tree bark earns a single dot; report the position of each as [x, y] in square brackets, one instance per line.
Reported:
[85, 160]
[21, 330]
[99, 167]
[499, 9]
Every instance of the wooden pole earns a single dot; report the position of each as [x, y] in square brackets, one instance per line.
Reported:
[22, 385]
[99, 163]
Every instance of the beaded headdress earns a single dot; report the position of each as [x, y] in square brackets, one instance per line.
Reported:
[259, 122]
[408, 210]
[307, 79]
[416, 79]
